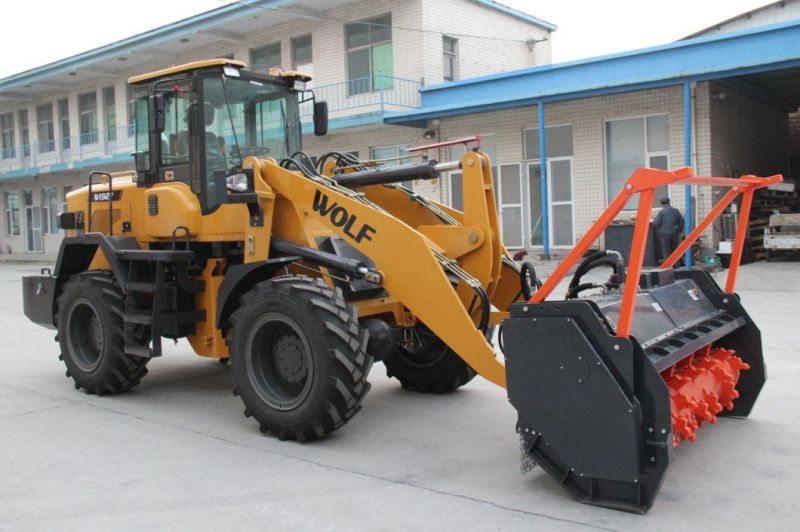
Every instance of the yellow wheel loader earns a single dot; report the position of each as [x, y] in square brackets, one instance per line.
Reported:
[301, 272]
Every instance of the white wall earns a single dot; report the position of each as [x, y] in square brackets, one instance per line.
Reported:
[772, 14]
[501, 48]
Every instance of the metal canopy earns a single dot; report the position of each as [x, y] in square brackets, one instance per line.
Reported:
[767, 55]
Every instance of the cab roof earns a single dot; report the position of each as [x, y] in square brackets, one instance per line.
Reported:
[194, 65]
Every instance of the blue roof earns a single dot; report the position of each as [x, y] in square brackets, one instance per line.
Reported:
[517, 13]
[761, 49]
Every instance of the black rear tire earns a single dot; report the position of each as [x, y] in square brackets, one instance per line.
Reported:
[431, 367]
[91, 335]
[298, 357]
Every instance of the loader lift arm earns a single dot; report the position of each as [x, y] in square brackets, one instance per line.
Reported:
[396, 249]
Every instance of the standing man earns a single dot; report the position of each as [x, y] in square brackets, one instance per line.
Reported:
[669, 225]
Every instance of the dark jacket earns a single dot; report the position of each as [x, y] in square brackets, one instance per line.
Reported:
[669, 221]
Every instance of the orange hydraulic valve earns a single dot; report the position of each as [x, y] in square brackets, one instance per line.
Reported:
[700, 386]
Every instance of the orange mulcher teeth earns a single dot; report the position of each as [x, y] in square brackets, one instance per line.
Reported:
[700, 387]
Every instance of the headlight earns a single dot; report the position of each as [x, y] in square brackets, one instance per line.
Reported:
[237, 182]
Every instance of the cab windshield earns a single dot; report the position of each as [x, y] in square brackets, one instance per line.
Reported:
[244, 117]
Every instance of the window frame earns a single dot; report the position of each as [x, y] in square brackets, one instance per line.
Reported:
[91, 136]
[633, 205]
[256, 66]
[63, 122]
[357, 86]
[7, 127]
[531, 161]
[109, 110]
[46, 145]
[452, 56]
[24, 132]
[11, 229]
[293, 45]
[50, 210]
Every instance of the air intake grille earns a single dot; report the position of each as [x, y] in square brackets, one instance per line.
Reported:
[152, 205]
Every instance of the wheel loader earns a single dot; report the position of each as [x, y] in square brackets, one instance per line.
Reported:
[302, 271]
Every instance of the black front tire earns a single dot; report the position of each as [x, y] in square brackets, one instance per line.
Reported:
[298, 357]
[430, 367]
[91, 335]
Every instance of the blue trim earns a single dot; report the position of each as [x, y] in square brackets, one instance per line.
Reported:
[22, 172]
[516, 13]
[687, 161]
[182, 27]
[543, 181]
[364, 119]
[61, 167]
[755, 50]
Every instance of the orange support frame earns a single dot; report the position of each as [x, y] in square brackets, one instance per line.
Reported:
[644, 181]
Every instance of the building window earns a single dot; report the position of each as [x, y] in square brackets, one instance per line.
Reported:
[110, 113]
[456, 153]
[67, 190]
[266, 57]
[87, 113]
[131, 110]
[392, 156]
[559, 185]
[50, 210]
[635, 142]
[46, 128]
[450, 57]
[7, 135]
[12, 213]
[302, 55]
[26, 136]
[369, 55]
[63, 120]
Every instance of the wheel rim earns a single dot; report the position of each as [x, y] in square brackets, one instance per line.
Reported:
[278, 361]
[85, 335]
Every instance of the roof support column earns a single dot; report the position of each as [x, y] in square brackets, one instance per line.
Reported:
[687, 161]
[543, 182]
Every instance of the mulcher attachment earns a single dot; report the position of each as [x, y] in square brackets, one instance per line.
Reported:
[603, 398]
[601, 413]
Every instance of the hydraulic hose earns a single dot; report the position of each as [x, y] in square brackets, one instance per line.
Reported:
[527, 274]
[592, 261]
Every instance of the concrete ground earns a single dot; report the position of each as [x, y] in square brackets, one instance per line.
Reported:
[176, 452]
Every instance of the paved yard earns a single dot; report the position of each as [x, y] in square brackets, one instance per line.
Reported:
[176, 453]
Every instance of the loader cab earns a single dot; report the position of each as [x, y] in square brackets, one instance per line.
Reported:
[198, 122]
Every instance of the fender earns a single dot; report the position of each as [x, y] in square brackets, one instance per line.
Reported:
[241, 278]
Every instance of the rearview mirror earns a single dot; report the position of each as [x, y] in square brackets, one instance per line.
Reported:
[157, 113]
[141, 161]
[320, 118]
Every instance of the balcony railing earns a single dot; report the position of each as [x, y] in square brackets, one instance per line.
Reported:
[101, 143]
[370, 96]
[364, 95]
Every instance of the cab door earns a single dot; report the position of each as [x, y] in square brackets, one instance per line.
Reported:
[177, 153]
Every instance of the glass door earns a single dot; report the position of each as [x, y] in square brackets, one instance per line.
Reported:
[33, 224]
[510, 194]
[560, 211]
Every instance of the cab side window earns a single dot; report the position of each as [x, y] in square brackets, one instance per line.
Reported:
[175, 137]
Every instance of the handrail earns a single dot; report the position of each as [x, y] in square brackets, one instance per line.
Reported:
[644, 182]
[110, 201]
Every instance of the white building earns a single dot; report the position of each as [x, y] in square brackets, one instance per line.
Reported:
[720, 103]
[60, 121]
